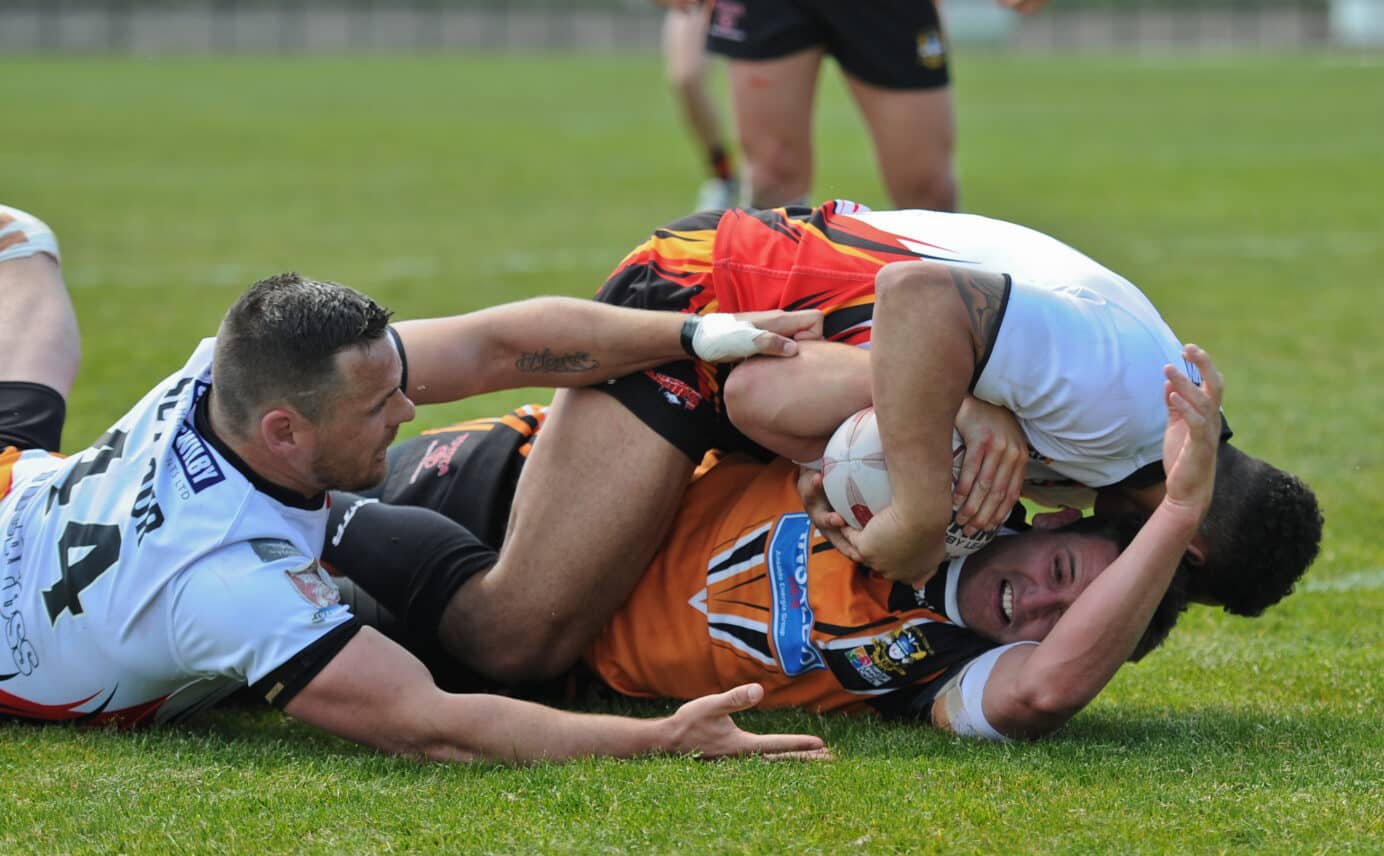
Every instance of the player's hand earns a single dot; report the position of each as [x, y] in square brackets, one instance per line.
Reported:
[703, 727]
[1023, 7]
[721, 337]
[831, 524]
[992, 473]
[798, 324]
[899, 550]
[1193, 436]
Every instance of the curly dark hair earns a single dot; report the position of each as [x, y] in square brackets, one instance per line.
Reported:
[1121, 529]
[1262, 532]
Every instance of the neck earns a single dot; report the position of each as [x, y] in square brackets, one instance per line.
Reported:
[269, 472]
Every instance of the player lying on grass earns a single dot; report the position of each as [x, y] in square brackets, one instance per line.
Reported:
[1025, 322]
[175, 560]
[745, 589]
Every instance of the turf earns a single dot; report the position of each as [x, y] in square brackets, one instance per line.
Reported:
[1243, 193]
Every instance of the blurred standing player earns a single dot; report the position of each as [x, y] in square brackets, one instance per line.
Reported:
[685, 65]
[893, 55]
[175, 560]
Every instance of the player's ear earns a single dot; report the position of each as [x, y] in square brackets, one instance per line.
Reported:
[283, 428]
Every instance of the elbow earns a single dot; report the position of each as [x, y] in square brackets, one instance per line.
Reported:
[1042, 711]
[903, 283]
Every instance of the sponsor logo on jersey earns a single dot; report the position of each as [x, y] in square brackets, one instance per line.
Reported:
[346, 520]
[196, 459]
[438, 456]
[315, 586]
[725, 20]
[791, 615]
[16, 639]
[860, 660]
[675, 391]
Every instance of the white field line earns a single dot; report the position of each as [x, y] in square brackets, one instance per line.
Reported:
[1372, 580]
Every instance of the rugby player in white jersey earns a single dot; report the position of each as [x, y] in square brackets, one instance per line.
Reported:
[174, 561]
[967, 304]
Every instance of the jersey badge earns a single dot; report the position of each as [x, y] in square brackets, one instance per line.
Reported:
[860, 660]
[314, 585]
[896, 651]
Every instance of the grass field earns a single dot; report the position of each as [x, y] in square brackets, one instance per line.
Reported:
[1244, 195]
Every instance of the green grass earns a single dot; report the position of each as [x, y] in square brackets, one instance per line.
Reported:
[1243, 194]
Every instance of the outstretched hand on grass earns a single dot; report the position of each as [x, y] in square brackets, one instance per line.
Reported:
[703, 727]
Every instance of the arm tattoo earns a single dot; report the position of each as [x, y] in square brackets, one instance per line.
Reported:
[984, 296]
[546, 361]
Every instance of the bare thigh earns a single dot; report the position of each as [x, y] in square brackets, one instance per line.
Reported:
[772, 100]
[592, 506]
[38, 328]
[914, 133]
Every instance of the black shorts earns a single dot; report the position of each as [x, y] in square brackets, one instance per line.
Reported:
[31, 416]
[895, 44]
[466, 471]
[681, 401]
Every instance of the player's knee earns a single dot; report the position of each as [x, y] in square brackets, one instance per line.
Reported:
[934, 190]
[779, 173]
[23, 235]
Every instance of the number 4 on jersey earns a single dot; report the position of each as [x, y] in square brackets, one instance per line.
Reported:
[85, 550]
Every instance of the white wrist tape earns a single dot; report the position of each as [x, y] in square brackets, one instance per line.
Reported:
[721, 337]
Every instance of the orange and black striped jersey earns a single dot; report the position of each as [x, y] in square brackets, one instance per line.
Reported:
[744, 589]
[783, 258]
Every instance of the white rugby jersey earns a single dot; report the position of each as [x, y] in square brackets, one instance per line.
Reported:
[147, 576]
[1080, 351]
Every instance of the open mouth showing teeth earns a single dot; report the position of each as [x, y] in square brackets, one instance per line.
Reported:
[1007, 601]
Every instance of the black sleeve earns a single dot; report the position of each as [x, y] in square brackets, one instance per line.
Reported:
[280, 686]
[412, 560]
[403, 357]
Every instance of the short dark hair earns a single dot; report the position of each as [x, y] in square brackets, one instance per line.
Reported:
[1121, 529]
[279, 340]
[1262, 532]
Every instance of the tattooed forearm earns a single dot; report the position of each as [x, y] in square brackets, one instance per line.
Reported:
[983, 296]
[546, 361]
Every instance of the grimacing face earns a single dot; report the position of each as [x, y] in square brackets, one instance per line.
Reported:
[356, 430]
[1018, 587]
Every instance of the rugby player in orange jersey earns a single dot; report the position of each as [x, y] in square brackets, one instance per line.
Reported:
[1074, 351]
[745, 589]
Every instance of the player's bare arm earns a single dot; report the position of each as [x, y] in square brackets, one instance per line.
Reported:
[1033, 690]
[933, 325]
[376, 693]
[558, 341]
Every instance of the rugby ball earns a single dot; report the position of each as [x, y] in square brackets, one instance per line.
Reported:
[857, 482]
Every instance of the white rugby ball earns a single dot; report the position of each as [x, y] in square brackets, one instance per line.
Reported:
[857, 482]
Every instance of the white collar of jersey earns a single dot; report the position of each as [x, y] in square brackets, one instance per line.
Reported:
[950, 606]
